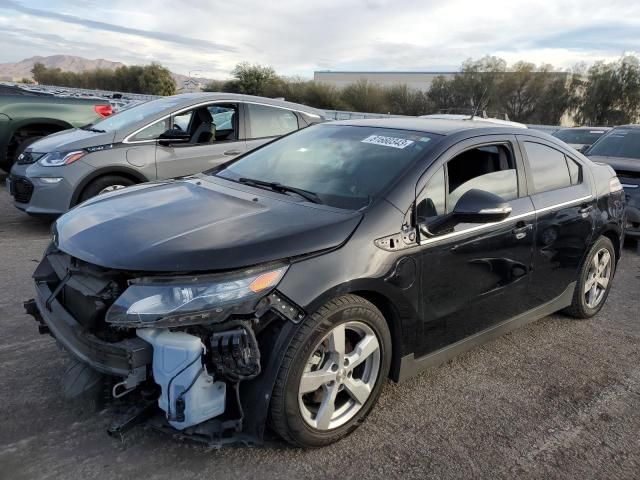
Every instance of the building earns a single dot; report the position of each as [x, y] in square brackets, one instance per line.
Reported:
[415, 80]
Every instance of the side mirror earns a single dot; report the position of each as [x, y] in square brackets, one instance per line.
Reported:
[174, 135]
[474, 206]
[479, 206]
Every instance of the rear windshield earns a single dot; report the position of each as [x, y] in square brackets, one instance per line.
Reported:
[619, 143]
[132, 116]
[346, 166]
[580, 137]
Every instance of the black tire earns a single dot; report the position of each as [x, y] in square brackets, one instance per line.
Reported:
[285, 413]
[8, 163]
[579, 307]
[100, 183]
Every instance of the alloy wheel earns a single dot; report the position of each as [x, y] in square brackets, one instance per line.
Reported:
[339, 375]
[598, 278]
[111, 188]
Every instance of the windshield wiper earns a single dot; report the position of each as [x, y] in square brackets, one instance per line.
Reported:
[89, 128]
[278, 187]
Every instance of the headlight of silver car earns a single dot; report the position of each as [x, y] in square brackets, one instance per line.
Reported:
[57, 159]
[176, 301]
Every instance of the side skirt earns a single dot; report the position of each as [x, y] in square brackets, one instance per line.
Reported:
[410, 366]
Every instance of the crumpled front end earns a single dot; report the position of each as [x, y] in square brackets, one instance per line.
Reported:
[175, 349]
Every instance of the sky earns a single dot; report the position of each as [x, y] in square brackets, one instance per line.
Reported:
[208, 38]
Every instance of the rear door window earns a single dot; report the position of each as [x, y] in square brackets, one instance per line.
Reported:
[549, 167]
[265, 121]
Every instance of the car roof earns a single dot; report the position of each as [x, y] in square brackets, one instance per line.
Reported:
[584, 128]
[438, 126]
[630, 125]
[452, 116]
[197, 97]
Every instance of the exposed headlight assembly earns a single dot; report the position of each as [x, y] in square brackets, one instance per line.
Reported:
[178, 301]
[57, 159]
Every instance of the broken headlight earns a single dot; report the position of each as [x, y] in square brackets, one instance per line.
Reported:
[177, 301]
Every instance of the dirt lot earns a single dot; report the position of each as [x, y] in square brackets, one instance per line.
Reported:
[557, 399]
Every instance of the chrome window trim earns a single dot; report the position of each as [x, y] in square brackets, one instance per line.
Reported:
[484, 226]
[196, 105]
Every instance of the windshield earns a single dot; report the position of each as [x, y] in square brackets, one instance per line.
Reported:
[345, 166]
[134, 115]
[619, 143]
[579, 137]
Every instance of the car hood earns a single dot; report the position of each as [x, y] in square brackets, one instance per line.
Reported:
[69, 140]
[619, 163]
[198, 225]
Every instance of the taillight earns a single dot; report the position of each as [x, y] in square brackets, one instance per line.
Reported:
[104, 110]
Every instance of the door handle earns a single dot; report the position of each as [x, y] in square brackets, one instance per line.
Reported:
[521, 230]
[232, 152]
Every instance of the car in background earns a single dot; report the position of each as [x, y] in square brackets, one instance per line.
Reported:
[620, 148]
[544, 128]
[161, 139]
[580, 138]
[26, 116]
[475, 118]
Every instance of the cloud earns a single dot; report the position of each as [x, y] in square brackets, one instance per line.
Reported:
[110, 27]
[298, 37]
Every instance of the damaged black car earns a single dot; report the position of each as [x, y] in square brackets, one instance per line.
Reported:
[283, 288]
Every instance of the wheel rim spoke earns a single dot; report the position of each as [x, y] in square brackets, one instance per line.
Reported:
[358, 390]
[311, 381]
[604, 261]
[592, 294]
[603, 282]
[337, 343]
[588, 284]
[365, 348]
[327, 407]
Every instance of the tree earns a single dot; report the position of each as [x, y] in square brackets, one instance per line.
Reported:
[151, 79]
[253, 79]
[364, 96]
[403, 100]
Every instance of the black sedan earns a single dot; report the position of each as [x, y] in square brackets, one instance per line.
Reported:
[287, 285]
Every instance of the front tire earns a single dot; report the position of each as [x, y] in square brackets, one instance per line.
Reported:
[107, 183]
[332, 373]
[594, 281]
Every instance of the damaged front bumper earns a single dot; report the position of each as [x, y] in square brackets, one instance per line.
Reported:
[199, 375]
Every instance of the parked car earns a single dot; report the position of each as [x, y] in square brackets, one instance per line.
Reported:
[580, 138]
[620, 148]
[161, 139]
[544, 128]
[27, 116]
[290, 283]
[475, 118]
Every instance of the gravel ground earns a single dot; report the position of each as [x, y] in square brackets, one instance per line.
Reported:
[557, 399]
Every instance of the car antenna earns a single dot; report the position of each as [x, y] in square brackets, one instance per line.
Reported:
[477, 107]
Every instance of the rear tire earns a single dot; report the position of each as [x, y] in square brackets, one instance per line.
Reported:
[597, 270]
[105, 184]
[349, 379]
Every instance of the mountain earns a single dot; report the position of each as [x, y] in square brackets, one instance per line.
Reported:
[70, 63]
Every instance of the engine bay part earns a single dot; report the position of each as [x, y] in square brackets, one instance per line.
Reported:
[234, 353]
[189, 394]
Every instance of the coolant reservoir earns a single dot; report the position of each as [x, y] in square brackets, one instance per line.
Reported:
[189, 394]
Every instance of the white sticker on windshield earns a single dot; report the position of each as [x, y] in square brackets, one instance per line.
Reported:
[388, 141]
